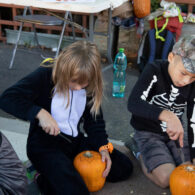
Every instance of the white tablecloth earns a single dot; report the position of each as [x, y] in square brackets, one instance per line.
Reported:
[95, 7]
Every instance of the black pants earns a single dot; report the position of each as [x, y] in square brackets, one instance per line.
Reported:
[53, 159]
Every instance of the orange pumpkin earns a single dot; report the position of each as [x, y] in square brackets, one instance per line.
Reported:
[90, 166]
[182, 180]
[141, 8]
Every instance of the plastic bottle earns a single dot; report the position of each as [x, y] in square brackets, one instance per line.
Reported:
[120, 65]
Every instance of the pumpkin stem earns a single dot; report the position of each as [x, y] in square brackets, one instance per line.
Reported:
[190, 168]
[88, 154]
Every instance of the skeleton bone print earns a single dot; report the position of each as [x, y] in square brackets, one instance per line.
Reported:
[192, 120]
[165, 101]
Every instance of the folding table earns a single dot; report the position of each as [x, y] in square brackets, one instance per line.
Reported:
[90, 8]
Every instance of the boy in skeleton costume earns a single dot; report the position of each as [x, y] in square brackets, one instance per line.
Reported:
[157, 103]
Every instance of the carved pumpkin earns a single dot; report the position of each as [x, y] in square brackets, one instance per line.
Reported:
[90, 166]
[182, 180]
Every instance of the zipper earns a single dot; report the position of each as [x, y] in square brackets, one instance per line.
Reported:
[70, 112]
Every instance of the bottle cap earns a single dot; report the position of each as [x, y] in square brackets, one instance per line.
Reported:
[121, 49]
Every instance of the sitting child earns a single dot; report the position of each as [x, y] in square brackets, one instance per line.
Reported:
[157, 103]
[56, 99]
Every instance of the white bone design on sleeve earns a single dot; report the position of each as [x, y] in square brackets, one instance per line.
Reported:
[146, 93]
[193, 124]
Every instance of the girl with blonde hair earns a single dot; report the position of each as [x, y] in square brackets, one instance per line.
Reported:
[56, 99]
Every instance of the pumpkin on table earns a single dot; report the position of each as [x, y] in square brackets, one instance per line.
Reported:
[90, 166]
[141, 8]
[182, 180]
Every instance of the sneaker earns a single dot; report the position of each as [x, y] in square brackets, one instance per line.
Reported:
[36, 176]
[30, 171]
[131, 144]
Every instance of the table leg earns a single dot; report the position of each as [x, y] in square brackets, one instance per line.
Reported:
[73, 31]
[34, 30]
[18, 38]
[91, 27]
[115, 38]
[62, 33]
[109, 37]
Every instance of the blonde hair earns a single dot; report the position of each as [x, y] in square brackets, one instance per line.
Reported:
[80, 61]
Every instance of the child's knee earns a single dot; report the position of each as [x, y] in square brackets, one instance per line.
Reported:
[162, 174]
[159, 175]
[163, 179]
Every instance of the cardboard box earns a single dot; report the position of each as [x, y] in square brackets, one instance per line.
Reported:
[123, 11]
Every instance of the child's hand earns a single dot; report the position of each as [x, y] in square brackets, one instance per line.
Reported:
[47, 122]
[174, 127]
[106, 157]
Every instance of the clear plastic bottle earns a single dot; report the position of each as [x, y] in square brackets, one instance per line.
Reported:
[120, 65]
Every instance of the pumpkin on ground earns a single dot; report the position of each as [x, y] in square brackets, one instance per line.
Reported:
[182, 180]
[90, 166]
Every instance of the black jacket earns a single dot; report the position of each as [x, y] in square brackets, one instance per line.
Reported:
[154, 92]
[25, 99]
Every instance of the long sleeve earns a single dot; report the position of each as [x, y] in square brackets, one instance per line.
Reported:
[138, 101]
[95, 129]
[191, 124]
[19, 99]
